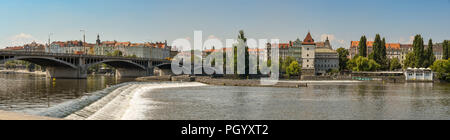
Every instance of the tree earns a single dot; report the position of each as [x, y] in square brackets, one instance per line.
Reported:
[418, 47]
[383, 55]
[429, 55]
[293, 69]
[117, 53]
[286, 63]
[373, 66]
[363, 64]
[442, 68]
[377, 48]
[446, 50]
[242, 37]
[395, 64]
[343, 58]
[410, 60]
[379, 52]
[363, 46]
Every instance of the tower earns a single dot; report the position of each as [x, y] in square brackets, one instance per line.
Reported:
[98, 39]
[328, 44]
[308, 55]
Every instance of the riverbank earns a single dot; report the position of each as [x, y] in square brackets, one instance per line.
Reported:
[220, 81]
[123, 103]
[19, 116]
[38, 73]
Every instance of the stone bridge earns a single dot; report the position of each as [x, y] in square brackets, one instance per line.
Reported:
[73, 66]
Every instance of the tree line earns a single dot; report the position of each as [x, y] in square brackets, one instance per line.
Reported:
[377, 60]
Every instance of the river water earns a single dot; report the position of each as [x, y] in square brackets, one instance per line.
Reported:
[29, 94]
[333, 100]
[319, 101]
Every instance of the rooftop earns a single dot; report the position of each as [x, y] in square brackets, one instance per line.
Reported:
[308, 40]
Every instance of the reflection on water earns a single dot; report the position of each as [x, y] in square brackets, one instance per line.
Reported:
[27, 93]
[319, 101]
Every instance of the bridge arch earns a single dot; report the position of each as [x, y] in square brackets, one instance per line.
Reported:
[118, 64]
[168, 66]
[42, 61]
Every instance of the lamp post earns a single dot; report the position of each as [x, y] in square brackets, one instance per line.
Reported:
[84, 40]
[49, 43]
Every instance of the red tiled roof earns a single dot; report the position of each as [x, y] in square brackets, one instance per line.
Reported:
[308, 40]
[284, 45]
[217, 50]
[320, 44]
[15, 48]
[355, 44]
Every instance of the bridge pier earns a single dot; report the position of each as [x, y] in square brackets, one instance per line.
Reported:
[163, 72]
[121, 72]
[66, 73]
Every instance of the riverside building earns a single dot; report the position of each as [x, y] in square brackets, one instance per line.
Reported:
[318, 58]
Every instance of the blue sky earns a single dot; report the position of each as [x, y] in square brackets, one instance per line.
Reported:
[158, 20]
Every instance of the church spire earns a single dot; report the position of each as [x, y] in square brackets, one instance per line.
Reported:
[98, 39]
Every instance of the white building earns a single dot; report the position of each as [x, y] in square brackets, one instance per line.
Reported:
[318, 59]
[308, 55]
[419, 74]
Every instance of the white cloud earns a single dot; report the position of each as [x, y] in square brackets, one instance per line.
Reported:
[335, 42]
[331, 37]
[20, 39]
[212, 37]
[404, 41]
[411, 39]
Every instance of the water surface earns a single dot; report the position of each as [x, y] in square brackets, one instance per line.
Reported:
[318, 101]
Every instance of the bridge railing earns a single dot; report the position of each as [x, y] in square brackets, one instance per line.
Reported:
[31, 53]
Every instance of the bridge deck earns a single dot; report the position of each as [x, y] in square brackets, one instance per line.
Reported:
[27, 53]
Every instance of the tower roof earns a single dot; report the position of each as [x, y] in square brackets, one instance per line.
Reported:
[308, 40]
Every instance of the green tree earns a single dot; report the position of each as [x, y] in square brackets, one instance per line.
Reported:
[363, 46]
[293, 69]
[377, 48]
[410, 60]
[395, 64]
[379, 52]
[418, 47]
[117, 53]
[343, 58]
[446, 50]
[383, 54]
[242, 37]
[373, 66]
[286, 62]
[442, 68]
[429, 55]
[363, 64]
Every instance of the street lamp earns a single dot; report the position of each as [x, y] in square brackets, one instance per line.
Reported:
[49, 42]
[84, 40]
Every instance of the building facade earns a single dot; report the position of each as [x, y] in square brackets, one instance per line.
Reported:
[318, 58]
[156, 50]
[395, 50]
[308, 55]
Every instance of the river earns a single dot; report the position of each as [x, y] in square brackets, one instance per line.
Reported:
[29, 94]
[320, 100]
